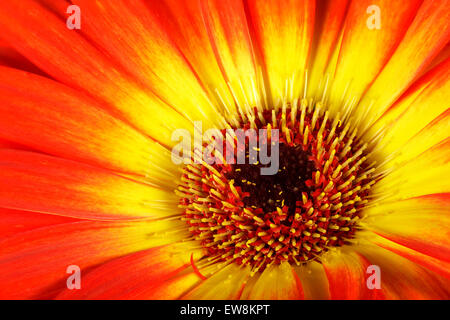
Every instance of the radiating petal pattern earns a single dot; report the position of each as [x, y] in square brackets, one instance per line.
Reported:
[421, 223]
[347, 274]
[34, 263]
[46, 41]
[134, 276]
[87, 124]
[403, 279]
[37, 182]
[52, 118]
[368, 48]
[284, 31]
[427, 35]
[275, 282]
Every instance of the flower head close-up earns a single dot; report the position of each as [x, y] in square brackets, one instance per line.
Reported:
[225, 149]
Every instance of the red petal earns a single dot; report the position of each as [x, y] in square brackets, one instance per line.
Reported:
[427, 260]
[426, 37]
[420, 223]
[330, 15]
[130, 34]
[227, 28]
[64, 54]
[284, 32]
[184, 24]
[347, 276]
[36, 182]
[10, 57]
[16, 221]
[403, 279]
[34, 263]
[365, 51]
[135, 276]
[51, 117]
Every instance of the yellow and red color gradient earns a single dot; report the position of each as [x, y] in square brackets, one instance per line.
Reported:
[86, 119]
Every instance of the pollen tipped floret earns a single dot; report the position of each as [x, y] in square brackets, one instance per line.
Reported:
[313, 203]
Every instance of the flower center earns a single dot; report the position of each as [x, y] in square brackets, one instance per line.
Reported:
[312, 203]
[284, 188]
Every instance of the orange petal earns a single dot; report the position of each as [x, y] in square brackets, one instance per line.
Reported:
[10, 57]
[275, 282]
[227, 29]
[284, 32]
[441, 57]
[37, 182]
[330, 15]
[346, 272]
[7, 144]
[58, 7]
[403, 279]
[34, 263]
[184, 24]
[16, 221]
[45, 40]
[47, 116]
[364, 51]
[426, 37]
[134, 276]
[147, 52]
[433, 264]
[421, 223]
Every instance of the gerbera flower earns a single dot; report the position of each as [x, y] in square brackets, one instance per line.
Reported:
[358, 90]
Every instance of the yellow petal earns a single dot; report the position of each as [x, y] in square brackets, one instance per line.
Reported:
[275, 282]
